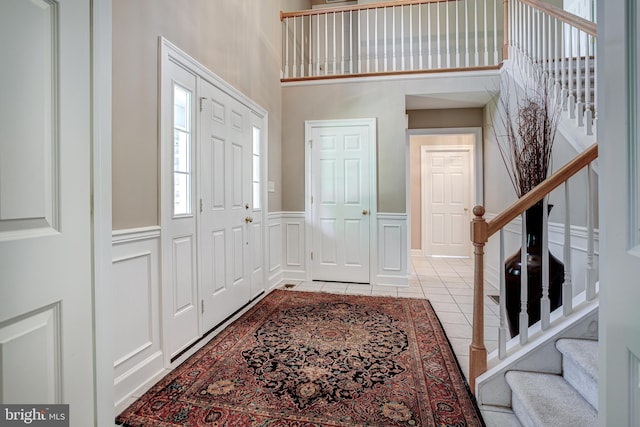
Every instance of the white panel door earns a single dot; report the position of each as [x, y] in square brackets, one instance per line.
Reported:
[226, 208]
[179, 276]
[257, 225]
[46, 335]
[446, 203]
[340, 170]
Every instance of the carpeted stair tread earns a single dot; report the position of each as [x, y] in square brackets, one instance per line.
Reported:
[541, 400]
[580, 366]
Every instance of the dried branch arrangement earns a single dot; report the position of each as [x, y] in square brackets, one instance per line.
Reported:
[530, 120]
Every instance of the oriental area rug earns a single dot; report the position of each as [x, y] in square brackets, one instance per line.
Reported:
[314, 359]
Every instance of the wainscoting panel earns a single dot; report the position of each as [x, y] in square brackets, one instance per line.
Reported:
[293, 226]
[275, 249]
[392, 250]
[138, 348]
[556, 243]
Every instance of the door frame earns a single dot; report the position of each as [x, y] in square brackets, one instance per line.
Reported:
[373, 186]
[426, 208]
[168, 52]
[477, 193]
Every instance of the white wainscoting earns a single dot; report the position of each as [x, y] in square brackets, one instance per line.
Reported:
[138, 348]
[294, 249]
[275, 252]
[556, 243]
[392, 250]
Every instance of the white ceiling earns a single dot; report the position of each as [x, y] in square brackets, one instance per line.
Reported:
[448, 100]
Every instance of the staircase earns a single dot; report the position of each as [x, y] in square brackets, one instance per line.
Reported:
[570, 399]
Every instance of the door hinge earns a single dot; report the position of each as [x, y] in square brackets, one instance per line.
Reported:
[200, 205]
[202, 98]
[311, 199]
[311, 143]
[202, 306]
[311, 255]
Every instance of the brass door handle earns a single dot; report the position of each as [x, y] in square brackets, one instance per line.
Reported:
[365, 212]
[248, 219]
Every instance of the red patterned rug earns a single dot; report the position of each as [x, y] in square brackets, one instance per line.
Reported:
[314, 359]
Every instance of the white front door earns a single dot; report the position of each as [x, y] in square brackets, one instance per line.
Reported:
[446, 202]
[341, 200]
[226, 209]
[46, 332]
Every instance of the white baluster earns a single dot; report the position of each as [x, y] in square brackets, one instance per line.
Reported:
[429, 47]
[410, 37]
[335, 52]
[420, 36]
[458, 34]
[545, 305]
[326, 44]
[302, 46]
[565, 71]
[572, 96]
[466, 33]
[359, 41]
[591, 271]
[375, 40]
[286, 48]
[524, 279]
[386, 68]
[579, 95]
[502, 330]
[558, 63]
[368, 42]
[588, 113]
[342, 51]
[475, 26]
[403, 54]
[567, 286]
[395, 37]
[448, 45]
[486, 32]
[351, 41]
[495, 33]
[439, 50]
[318, 45]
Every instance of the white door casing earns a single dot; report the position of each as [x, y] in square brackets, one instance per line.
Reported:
[46, 318]
[341, 173]
[446, 198]
[212, 242]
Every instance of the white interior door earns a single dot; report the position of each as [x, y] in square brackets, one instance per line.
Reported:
[227, 215]
[46, 350]
[341, 201]
[446, 202]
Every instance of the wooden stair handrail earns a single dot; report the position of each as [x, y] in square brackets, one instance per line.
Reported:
[356, 7]
[575, 21]
[544, 188]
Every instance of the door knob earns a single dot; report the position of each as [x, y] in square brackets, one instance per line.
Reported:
[248, 219]
[365, 212]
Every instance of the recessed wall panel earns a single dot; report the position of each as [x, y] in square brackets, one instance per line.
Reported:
[352, 239]
[293, 248]
[352, 182]
[218, 173]
[392, 258]
[219, 261]
[29, 193]
[30, 363]
[183, 285]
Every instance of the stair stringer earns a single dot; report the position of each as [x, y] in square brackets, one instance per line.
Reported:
[540, 355]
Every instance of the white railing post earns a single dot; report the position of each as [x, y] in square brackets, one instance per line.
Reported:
[439, 50]
[420, 36]
[411, 65]
[466, 33]
[567, 286]
[545, 304]
[351, 70]
[502, 330]
[286, 48]
[588, 112]
[375, 40]
[458, 33]
[448, 48]
[591, 271]
[335, 51]
[402, 52]
[486, 38]
[475, 26]
[579, 94]
[393, 30]
[495, 32]
[524, 285]
[572, 95]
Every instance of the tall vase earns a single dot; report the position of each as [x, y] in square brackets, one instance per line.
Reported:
[534, 274]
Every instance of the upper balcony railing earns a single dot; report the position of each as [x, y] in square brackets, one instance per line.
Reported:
[405, 36]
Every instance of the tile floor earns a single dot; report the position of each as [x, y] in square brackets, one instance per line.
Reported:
[448, 284]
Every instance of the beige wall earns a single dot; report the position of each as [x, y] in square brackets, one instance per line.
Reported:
[239, 40]
[364, 98]
[415, 172]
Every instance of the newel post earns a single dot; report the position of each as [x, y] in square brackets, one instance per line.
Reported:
[477, 350]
